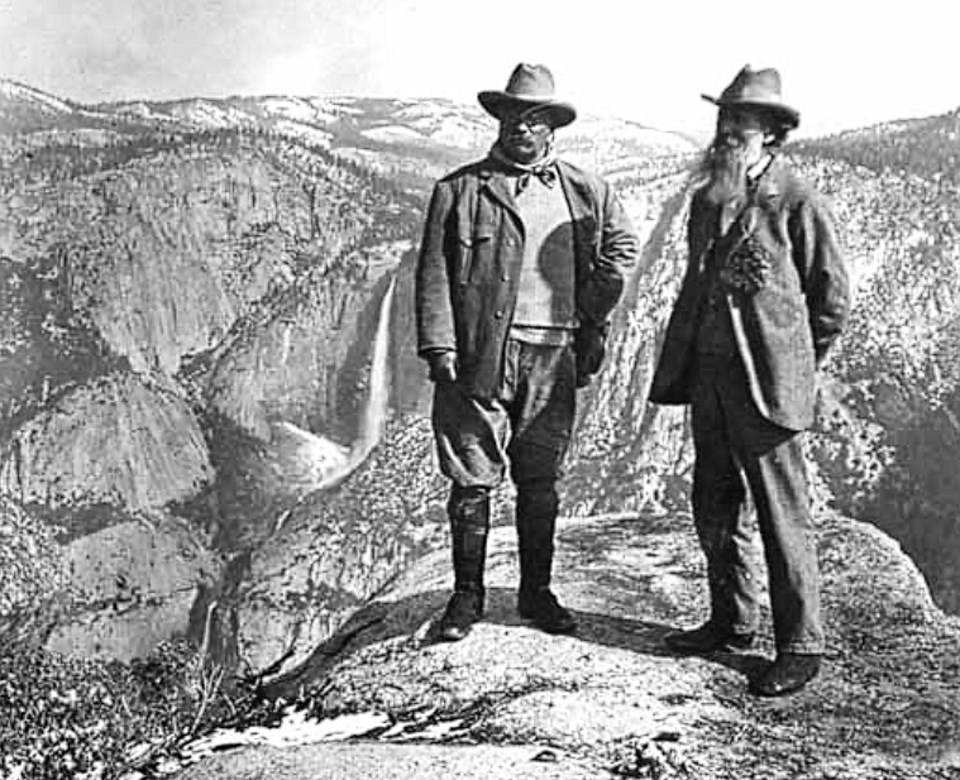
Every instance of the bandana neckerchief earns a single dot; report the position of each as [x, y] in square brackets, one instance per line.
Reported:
[545, 169]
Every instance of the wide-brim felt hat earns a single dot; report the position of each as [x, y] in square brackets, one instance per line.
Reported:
[530, 87]
[758, 89]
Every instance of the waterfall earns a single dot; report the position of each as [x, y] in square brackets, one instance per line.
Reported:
[313, 462]
[306, 461]
[378, 398]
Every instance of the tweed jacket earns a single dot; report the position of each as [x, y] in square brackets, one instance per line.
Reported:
[468, 273]
[786, 289]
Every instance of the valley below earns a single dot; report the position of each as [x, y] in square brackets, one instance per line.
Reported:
[214, 428]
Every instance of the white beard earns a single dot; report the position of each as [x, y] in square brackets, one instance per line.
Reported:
[725, 169]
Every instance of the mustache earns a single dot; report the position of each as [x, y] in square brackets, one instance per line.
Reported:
[721, 157]
[723, 169]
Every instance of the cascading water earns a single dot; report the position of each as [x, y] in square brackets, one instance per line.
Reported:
[378, 400]
[310, 462]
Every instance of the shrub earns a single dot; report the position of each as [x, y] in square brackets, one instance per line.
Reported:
[63, 717]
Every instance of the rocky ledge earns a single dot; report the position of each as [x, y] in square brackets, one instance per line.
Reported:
[510, 701]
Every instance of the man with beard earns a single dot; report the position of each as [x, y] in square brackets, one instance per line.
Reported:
[523, 258]
[764, 297]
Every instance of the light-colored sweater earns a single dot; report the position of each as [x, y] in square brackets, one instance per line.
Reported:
[546, 300]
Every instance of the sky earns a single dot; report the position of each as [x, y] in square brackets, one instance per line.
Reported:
[843, 64]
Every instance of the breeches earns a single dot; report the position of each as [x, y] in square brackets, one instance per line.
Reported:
[525, 429]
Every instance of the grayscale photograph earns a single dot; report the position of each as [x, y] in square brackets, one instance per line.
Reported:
[422, 390]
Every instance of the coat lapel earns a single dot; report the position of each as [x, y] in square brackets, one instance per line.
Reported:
[500, 187]
[582, 201]
[771, 183]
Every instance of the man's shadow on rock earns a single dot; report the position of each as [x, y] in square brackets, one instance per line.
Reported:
[417, 617]
[644, 637]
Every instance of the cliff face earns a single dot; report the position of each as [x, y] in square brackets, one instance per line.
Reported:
[627, 454]
[190, 325]
[612, 701]
[186, 315]
[339, 548]
[887, 434]
[150, 449]
[889, 429]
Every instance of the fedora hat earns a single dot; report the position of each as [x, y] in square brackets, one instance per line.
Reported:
[529, 87]
[758, 89]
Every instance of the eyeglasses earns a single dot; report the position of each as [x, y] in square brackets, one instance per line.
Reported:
[535, 121]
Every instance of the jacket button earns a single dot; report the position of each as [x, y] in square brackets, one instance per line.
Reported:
[505, 278]
[498, 315]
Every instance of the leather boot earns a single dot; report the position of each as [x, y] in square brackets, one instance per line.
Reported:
[537, 507]
[469, 512]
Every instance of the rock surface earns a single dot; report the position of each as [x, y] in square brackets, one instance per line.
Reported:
[191, 291]
[149, 447]
[188, 317]
[612, 698]
[133, 585]
[396, 762]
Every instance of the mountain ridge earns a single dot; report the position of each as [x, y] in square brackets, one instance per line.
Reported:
[436, 127]
[220, 288]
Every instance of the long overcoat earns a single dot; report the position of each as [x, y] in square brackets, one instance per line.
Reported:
[468, 273]
[787, 313]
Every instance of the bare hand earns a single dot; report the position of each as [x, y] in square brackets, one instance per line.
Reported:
[443, 366]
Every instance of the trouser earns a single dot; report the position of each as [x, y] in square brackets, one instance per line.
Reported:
[526, 429]
[735, 447]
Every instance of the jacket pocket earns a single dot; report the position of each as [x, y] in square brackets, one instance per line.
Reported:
[471, 246]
